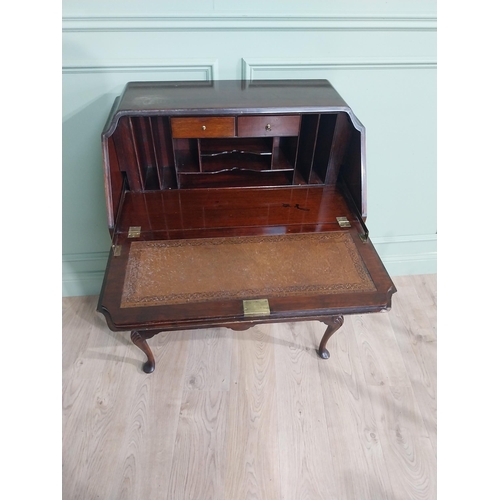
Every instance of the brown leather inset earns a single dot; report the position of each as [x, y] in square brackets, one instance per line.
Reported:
[199, 270]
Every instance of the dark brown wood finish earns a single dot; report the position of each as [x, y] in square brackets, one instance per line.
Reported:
[232, 208]
[333, 325]
[268, 126]
[341, 139]
[197, 161]
[194, 127]
[139, 338]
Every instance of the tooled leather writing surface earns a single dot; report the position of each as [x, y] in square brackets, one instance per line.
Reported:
[198, 270]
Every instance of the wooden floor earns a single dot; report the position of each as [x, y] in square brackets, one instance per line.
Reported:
[256, 414]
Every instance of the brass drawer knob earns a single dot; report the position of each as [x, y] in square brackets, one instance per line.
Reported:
[203, 127]
[268, 127]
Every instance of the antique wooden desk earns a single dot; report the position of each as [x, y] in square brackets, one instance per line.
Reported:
[233, 203]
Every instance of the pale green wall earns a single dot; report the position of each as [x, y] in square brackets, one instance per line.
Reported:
[380, 55]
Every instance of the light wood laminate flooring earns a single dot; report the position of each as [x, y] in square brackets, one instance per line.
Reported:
[255, 414]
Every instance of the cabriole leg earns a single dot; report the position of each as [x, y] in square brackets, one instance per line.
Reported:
[139, 338]
[333, 325]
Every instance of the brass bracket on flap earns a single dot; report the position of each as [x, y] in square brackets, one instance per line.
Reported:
[364, 235]
[256, 307]
[134, 231]
[343, 222]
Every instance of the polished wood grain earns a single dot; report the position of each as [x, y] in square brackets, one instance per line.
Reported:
[263, 417]
[273, 126]
[333, 325]
[139, 338]
[235, 177]
[280, 208]
[209, 126]
[227, 97]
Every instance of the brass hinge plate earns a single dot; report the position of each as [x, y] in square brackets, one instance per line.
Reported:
[134, 231]
[256, 307]
[343, 222]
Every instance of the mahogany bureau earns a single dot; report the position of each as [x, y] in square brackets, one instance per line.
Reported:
[233, 203]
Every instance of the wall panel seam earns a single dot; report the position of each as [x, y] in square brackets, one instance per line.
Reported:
[86, 256]
[248, 23]
[210, 67]
[397, 240]
[250, 67]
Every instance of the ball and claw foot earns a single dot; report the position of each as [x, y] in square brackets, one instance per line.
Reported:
[333, 325]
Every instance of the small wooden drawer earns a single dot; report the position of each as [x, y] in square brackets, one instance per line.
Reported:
[200, 127]
[262, 126]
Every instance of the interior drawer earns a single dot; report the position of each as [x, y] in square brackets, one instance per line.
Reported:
[262, 126]
[200, 127]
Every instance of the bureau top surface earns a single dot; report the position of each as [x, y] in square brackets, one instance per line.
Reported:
[229, 96]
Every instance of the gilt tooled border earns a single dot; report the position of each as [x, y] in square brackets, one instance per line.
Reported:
[133, 271]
